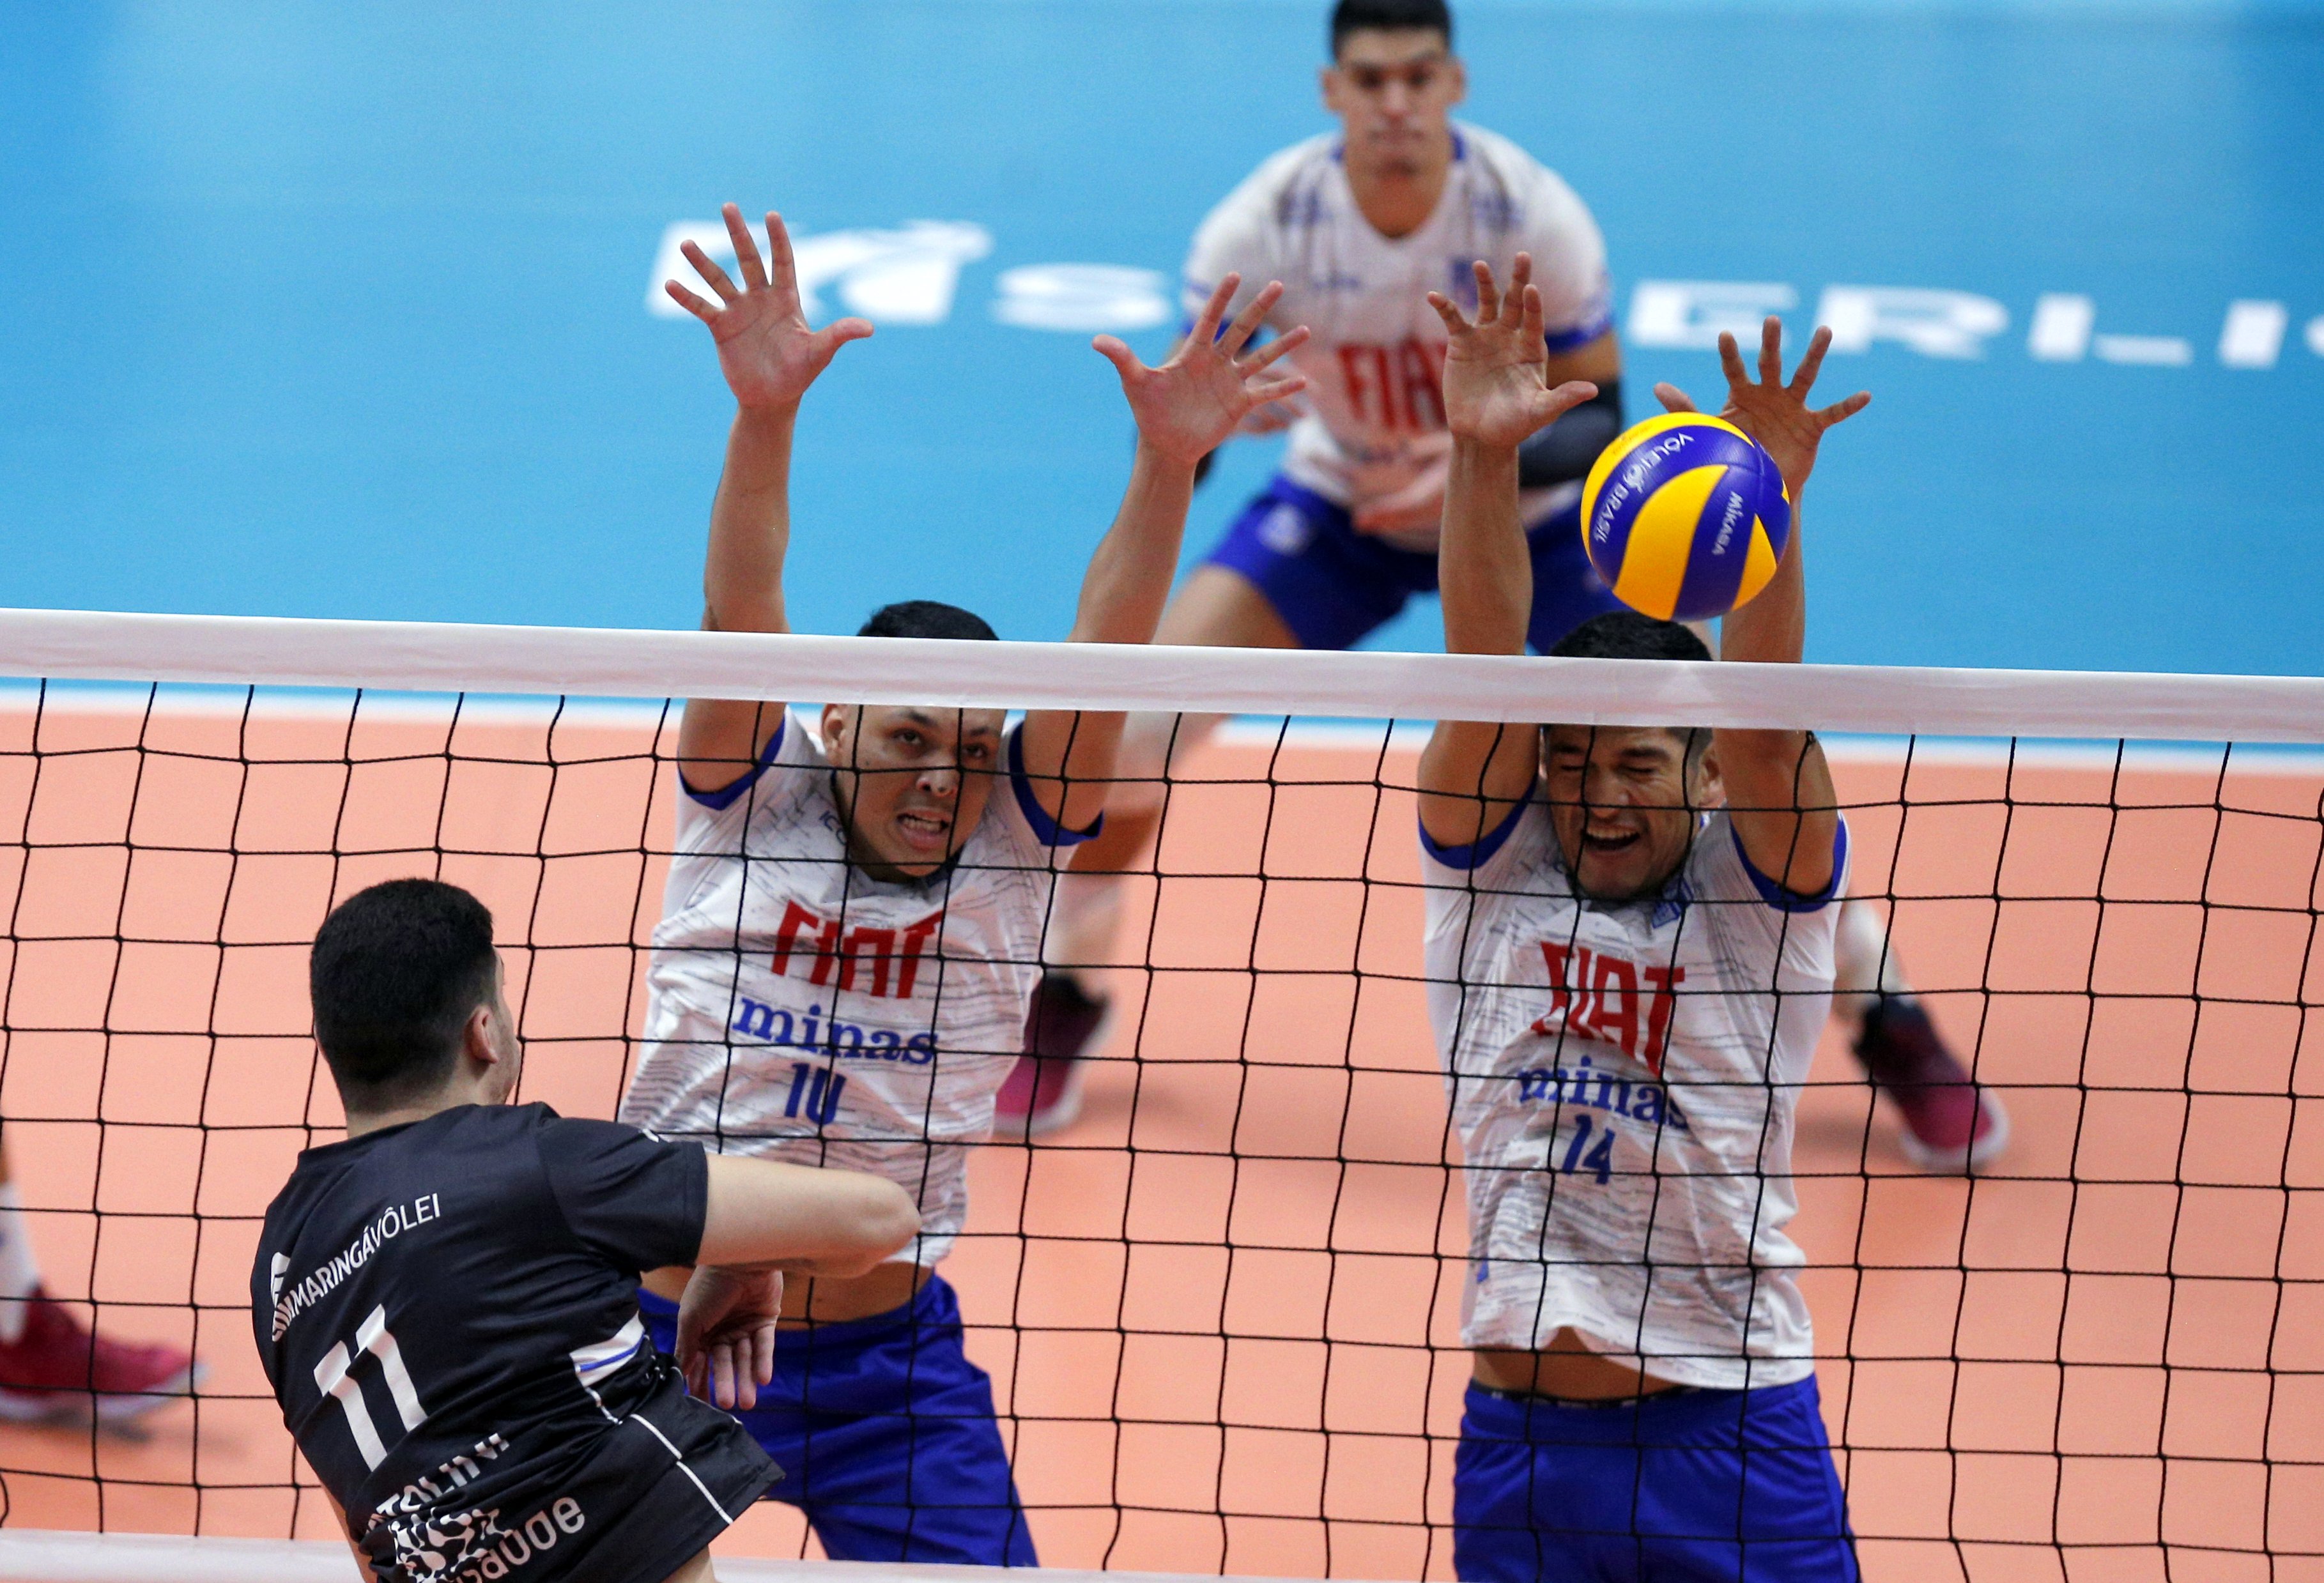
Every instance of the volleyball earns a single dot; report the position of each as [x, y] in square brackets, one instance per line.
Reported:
[1686, 515]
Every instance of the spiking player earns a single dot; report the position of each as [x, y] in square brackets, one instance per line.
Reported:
[1629, 955]
[446, 1303]
[853, 926]
[1402, 200]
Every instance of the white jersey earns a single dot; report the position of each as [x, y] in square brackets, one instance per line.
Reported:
[1375, 359]
[798, 1010]
[1624, 1079]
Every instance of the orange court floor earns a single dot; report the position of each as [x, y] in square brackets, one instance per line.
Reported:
[1221, 1312]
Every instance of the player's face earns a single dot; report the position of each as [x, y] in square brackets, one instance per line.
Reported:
[912, 782]
[1624, 802]
[1394, 89]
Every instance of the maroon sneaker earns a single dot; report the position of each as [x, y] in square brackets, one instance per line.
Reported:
[60, 1368]
[1951, 1122]
[1043, 1093]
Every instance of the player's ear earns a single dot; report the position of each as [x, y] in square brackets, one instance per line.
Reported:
[1457, 88]
[834, 730]
[1704, 786]
[1329, 83]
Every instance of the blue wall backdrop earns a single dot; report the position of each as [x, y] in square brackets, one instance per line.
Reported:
[326, 309]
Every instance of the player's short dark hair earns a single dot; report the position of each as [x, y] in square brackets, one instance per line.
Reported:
[927, 617]
[1626, 634]
[395, 972]
[1350, 16]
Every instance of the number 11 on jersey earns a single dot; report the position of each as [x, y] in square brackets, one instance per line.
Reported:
[334, 1376]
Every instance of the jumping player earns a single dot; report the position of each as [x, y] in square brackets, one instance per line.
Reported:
[446, 1303]
[1630, 957]
[853, 932]
[1360, 224]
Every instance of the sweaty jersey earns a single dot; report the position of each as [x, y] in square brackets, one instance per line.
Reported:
[1623, 1078]
[447, 1313]
[800, 1010]
[1375, 357]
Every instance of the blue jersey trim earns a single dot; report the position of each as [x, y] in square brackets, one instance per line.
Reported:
[725, 796]
[1047, 830]
[1478, 853]
[1791, 901]
[1580, 335]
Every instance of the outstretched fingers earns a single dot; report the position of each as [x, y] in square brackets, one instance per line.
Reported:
[712, 275]
[1804, 378]
[1254, 314]
[746, 247]
[1675, 399]
[1513, 304]
[1730, 361]
[782, 269]
[1841, 411]
[1283, 346]
[1771, 352]
[689, 301]
[1275, 390]
[1532, 319]
[1206, 323]
[1456, 323]
[1489, 295]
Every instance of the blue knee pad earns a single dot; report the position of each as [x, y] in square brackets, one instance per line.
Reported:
[1699, 1486]
[886, 1436]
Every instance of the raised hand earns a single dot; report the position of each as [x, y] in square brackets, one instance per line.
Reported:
[1771, 412]
[1497, 387]
[726, 1333]
[1186, 407]
[765, 349]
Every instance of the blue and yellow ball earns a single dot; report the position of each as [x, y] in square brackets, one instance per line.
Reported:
[1686, 517]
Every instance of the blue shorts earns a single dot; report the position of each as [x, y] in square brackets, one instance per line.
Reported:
[1332, 584]
[1683, 1488]
[885, 1434]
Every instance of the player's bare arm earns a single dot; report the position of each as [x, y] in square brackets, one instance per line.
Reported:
[1186, 408]
[1779, 789]
[763, 1219]
[769, 357]
[1496, 393]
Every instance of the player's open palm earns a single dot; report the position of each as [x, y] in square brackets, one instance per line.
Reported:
[1495, 370]
[1771, 410]
[1189, 406]
[765, 349]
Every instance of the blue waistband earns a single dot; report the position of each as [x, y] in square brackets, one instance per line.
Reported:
[1504, 1415]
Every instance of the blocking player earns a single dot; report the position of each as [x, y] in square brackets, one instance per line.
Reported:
[853, 929]
[446, 1303]
[1629, 952]
[1360, 224]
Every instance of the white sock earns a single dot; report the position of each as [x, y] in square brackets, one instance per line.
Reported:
[1865, 962]
[20, 1272]
[1082, 921]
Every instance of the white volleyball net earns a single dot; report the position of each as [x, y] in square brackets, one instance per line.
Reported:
[1222, 1312]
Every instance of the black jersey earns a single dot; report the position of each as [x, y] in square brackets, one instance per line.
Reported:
[447, 1313]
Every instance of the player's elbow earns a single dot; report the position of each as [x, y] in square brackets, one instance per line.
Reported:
[883, 1220]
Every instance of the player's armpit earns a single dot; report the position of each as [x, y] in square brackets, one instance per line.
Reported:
[1472, 775]
[831, 1222]
[1782, 802]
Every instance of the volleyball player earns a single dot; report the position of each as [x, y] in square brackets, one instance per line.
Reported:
[852, 935]
[1360, 224]
[446, 1303]
[1629, 949]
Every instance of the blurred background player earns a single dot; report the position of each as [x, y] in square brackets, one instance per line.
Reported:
[52, 1365]
[1360, 224]
[446, 1303]
[853, 932]
[1629, 953]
